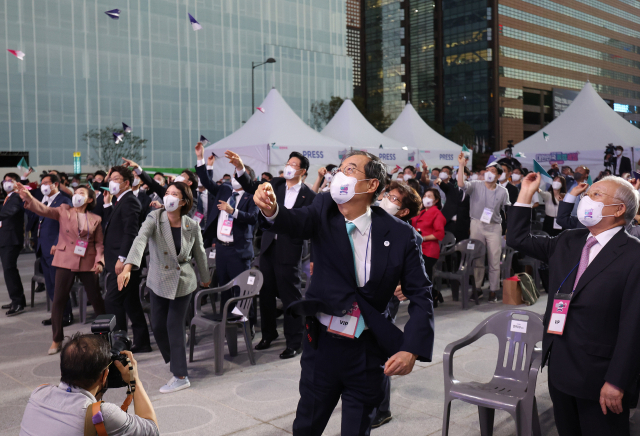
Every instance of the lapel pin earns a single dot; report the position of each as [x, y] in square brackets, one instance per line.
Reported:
[386, 243]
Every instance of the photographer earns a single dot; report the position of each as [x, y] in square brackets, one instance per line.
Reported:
[85, 363]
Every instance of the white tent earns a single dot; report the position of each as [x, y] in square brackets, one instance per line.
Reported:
[265, 141]
[410, 129]
[579, 136]
[351, 127]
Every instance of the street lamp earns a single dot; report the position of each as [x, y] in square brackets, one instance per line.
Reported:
[253, 67]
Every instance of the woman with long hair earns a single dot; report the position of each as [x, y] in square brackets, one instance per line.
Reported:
[552, 197]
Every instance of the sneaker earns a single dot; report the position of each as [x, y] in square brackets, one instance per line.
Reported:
[175, 384]
[493, 297]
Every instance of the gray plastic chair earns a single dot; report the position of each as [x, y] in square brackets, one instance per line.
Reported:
[506, 261]
[513, 385]
[38, 277]
[226, 325]
[447, 248]
[472, 251]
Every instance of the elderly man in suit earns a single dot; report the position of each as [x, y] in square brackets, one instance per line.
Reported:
[591, 322]
[362, 253]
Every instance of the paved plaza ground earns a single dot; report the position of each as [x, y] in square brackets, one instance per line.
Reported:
[261, 399]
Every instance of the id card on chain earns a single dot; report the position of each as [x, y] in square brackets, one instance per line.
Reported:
[559, 313]
[81, 247]
[198, 217]
[227, 225]
[346, 325]
[486, 215]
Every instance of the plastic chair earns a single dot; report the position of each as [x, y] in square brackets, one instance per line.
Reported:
[225, 324]
[38, 277]
[534, 263]
[447, 248]
[506, 261]
[472, 251]
[513, 385]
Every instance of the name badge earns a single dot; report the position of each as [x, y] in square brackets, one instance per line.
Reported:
[227, 225]
[486, 215]
[559, 314]
[345, 325]
[198, 217]
[81, 248]
[212, 254]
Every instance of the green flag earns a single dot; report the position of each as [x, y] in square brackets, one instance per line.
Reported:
[537, 168]
[23, 167]
[589, 181]
[545, 136]
[465, 149]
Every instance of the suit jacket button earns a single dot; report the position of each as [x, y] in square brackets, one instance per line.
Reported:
[166, 267]
[178, 268]
[344, 311]
[165, 252]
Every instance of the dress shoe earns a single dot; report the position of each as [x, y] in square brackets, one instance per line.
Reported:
[54, 349]
[46, 321]
[265, 343]
[15, 310]
[288, 353]
[6, 306]
[381, 419]
[141, 349]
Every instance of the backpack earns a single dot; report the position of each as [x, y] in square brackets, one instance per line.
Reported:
[530, 293]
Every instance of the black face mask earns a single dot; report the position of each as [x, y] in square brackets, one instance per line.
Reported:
[578, 176]
[96, 185]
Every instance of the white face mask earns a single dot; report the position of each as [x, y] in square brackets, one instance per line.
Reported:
[159, 182]
[8, 186]
[489, 177]
[389, 207]
[407, 177]
[289, 172]
[502, 177]
[114, 188]
[328, 177]
[444, 176]
[427, 202]
[78, 200]
[136, 181]
[556, 185]
[590, 211]
[474, 177]
[171, 203]
[343, 188]
[45, 189]
[74, 184]
[618, 152]
[235, 184]
[515, 177]
[179, 179]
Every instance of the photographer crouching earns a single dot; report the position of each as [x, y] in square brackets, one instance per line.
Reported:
[74, 407]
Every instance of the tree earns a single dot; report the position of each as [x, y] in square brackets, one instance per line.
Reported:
[107, 153]
[463, 134]
[322, 111]
[437, 127]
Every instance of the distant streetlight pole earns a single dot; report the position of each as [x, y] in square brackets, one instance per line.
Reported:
[253, 67]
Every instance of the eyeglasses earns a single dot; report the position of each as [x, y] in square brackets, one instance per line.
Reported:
[294, 165]
[349, 171]
[117, 179]
[597, 196]
[393, 198]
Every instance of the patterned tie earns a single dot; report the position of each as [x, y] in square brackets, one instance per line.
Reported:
[232, 202]
[584, 258]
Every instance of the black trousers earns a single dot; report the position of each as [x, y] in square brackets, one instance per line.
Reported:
[340, 367]
[580, 417]
[168, 322]
[228, 265]
[127, 303]
[49, 272]
[9, 257]
[283, 281]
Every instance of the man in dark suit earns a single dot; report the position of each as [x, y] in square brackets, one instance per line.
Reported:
[280, 255]
[362, 253]
[623, 163]
[230, 223]
[47, 231]
[120, 225]
[592, 327]
[11, 242]
[143, 198]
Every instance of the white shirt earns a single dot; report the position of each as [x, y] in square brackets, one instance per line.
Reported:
[225, 216]
[49, 198]
[204, 198]
[550, 209]
[118, 198]
[618, 160]
[603, 238]
[291, 194]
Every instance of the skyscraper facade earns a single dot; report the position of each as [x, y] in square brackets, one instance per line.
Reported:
[149, 69]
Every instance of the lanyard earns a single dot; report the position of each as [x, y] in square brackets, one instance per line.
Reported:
[565, 279]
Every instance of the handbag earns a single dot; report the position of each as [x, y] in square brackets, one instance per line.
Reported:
[530, 293]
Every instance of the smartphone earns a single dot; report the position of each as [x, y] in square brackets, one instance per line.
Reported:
[214, 155]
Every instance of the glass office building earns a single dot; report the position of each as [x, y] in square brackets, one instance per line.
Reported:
[149, 69]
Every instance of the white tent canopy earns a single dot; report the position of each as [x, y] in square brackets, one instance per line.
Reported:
[351, 127]
[410, 129]
[579, 136]
[268, 138]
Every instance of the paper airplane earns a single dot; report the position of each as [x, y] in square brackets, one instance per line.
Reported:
[545, 136]
[204, 140]
[113, 14]
[23, 167]
[118, 137]
[126, 128]
[17, 53]
[520, 154]
[491, 160]
[261, 109]
[589, 181]
[194, 23]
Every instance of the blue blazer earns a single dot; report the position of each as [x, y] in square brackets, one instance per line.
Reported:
[243, 225]
[396, 257]
[49, 229]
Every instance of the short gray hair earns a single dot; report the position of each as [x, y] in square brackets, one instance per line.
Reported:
[627, 194]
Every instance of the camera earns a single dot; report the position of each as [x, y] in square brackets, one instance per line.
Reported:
[609, 156]
[104, 325]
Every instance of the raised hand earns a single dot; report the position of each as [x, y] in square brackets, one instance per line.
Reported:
[462, 161]
[234, 160]
[211, 160]
[265, 199]
[107, 196]
[225, 206]
[128, 162]
[322, 171]
[579, 189]
[199, 151]
[394, 170]
[156, 205]
[425, 167]
[531, 183]
[23, 192]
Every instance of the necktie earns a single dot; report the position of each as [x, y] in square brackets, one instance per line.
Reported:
[350, 228]
[232, 202]
[584, 259]
[114, 201]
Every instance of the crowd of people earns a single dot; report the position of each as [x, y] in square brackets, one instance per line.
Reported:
[106, 230]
